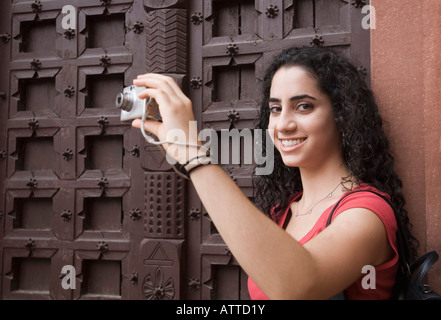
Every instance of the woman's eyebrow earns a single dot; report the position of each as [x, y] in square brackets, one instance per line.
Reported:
[298, 97]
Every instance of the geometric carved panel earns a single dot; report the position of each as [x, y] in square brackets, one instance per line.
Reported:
[103, 213]
[233, 18]
[302, 15]
[100, 27]
[102, 90]
[34, 148]
[225, 276]
[98, 86]
[31, 275]
[33, 213]
[328, 13]
[235, 83]
[28, 271]
[166, 40]
[101, 278]
[38, 36]
[37, 94]
[36, 154]
[100, 270]
[164, 206]
[104, 152]
[160, 269]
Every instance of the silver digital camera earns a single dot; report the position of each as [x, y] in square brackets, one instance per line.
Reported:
[132, 107]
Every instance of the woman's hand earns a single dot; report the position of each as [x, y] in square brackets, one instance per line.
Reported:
[176, 112]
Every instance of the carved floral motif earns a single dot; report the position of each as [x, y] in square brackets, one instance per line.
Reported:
[155, 288]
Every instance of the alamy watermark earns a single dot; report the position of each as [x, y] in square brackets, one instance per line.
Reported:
[70, 17]
[69, 20]
[370, 279]
[68, 279]
[369, 21]
[230, 147]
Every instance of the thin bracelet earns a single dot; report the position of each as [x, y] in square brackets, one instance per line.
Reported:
[198, 166]
[200, 156]
[188, 167]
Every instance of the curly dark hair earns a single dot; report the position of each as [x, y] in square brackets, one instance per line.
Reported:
[365, 147]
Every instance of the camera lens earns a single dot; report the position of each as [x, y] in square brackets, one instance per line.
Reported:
[124, 102]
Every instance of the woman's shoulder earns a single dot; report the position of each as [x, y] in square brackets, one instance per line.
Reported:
[368, 197]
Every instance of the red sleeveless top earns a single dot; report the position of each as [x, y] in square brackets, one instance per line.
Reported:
[385, 273]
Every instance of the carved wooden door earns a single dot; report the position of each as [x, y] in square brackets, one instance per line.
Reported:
[81, 189]
[70, 170]
[231, 44]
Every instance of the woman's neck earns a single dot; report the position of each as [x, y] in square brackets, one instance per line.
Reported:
[319, 183]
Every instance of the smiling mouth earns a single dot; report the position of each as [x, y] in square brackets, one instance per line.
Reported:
[291, 144]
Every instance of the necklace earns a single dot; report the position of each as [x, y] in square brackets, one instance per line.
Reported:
[297, 214]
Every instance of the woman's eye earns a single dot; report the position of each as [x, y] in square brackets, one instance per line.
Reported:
[275, 109]
[303, 107]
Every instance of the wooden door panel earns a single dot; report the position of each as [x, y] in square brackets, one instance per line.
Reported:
[67, 160]
[20, 269]
[234, 41]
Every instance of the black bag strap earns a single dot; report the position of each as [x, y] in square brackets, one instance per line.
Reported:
[357, 191]
[426, 261]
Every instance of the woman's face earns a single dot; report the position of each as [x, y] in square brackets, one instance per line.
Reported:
[302, 119]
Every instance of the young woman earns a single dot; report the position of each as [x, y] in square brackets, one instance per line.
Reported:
[328, 138]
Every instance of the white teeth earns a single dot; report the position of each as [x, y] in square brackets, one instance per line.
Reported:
[289, 143]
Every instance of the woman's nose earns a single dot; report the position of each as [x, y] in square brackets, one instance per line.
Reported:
[286, 122]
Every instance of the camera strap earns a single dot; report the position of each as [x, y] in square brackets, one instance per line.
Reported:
[151, 140]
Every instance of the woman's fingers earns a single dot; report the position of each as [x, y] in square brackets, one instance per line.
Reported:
[149, 125]
[175, 109]
[169, 96]
[136, 123]
[159, 81]
[164, 93]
